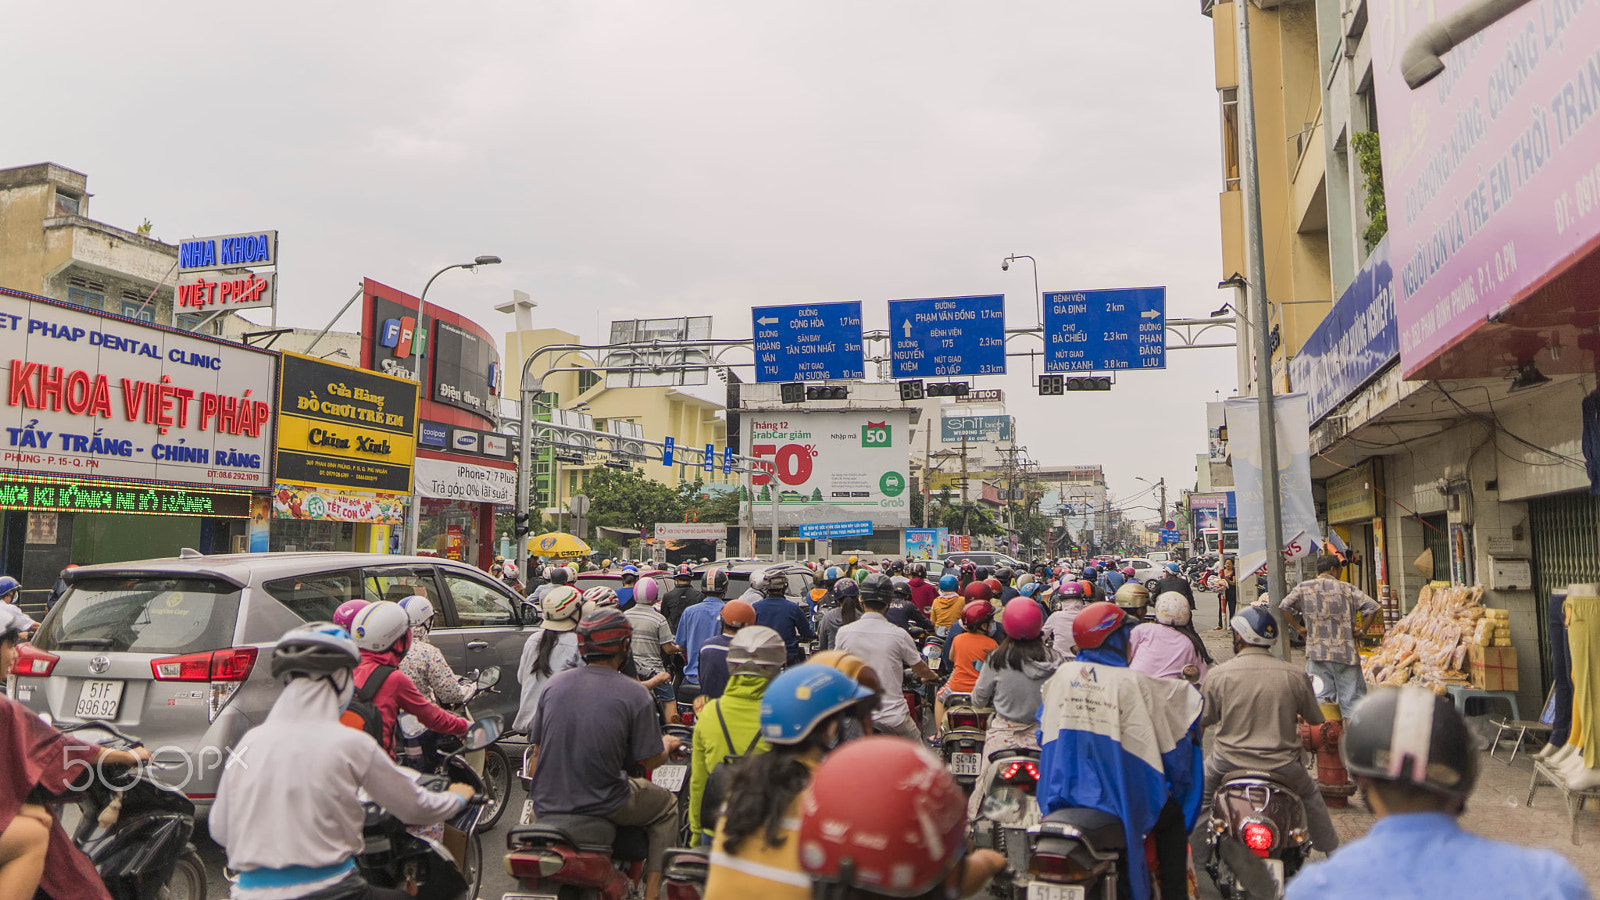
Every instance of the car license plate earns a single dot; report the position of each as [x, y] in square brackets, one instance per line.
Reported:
[1037, 891]
[527, 813]
[1275, 869]
[529, 897]
[964, 764]
[99, 700]
[669, 777]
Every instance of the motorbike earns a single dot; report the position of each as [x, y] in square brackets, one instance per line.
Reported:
[1258, 836]
[918, 702]
[445, 863]
[965, 730]
[684, 872]
[933, 650]
[492, 763]
[577, 857]
[687, 693]
[134, 828]
[1010, 805]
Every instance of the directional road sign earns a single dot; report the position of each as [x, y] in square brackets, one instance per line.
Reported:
[808, 342]
[1097, 331]
[947, 337]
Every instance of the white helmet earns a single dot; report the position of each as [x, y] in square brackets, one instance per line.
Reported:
[756, 650]
[509, 569]
[1172, 608]
[418, 609]
[379, 626]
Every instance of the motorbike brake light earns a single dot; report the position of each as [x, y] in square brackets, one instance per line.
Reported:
[682, 890]
[533, 864]
[1058, 868]
[33, 663]
[1020, 770]
[964, 720]
[231, 664]
[1258, 837]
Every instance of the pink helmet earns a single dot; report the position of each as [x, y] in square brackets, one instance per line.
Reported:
[1022, 619]
[1127, 571]
[647, 591]
[347, 611]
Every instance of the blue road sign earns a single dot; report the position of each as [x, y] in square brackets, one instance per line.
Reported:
[1170, 536]
[808, 342]
[666, 453]
[1099, 331]
[727, 460]
[827, 531]
[709, 459]
[948, 337]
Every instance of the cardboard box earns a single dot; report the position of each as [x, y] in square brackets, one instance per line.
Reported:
[1492, 668]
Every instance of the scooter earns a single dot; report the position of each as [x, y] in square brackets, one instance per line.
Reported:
[684, 872]
[687, 693]
[134, 828]
[1010, 806]
[965, 731]
[492, 763]
[1258, 836]
[577, 857]
[448, 864]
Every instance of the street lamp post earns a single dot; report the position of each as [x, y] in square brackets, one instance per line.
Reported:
[418, 339]
[1038, 298]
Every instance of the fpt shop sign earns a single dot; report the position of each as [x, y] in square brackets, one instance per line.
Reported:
[831, 466]
[95, 397]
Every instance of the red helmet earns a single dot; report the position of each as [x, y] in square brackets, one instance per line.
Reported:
[1095, 623]
[1127, 571]
[1022, 619]
[883, 815]
[738, 614]
[978, 591]
[976, 613]
[605, 631]
[995, 586]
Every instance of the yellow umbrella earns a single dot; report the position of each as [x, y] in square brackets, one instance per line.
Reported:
[558, 545]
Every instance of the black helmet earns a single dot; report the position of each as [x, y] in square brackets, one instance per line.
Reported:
[1004, 573]
[558, 574]
[604, 631]
[983, 573]
[1411, 736]
[902, 589]
[876, 586]
[774, 583]
[717, 582]
[918, 570]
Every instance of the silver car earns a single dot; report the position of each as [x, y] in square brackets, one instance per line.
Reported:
[175, 651]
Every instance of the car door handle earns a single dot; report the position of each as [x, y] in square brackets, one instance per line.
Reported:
[477, 645]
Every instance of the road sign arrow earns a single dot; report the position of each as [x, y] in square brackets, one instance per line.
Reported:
[1150, 314]
[907, 326]
[766, 320]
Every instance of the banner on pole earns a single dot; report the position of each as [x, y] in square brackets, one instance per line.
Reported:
[1301, 535]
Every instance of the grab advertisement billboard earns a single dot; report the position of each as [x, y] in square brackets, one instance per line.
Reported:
[849, 465]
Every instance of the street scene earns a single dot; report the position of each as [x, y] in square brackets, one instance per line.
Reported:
[629, 451]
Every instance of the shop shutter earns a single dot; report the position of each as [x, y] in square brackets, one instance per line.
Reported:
[1436, 537]
[1566, 550]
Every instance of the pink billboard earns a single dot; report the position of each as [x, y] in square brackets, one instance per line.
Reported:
[1491, 169]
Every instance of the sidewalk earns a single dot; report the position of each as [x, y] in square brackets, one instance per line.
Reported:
[1498, 806]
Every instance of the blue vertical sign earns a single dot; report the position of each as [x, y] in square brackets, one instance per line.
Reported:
[710, 461]
[948, 337]
[727, 460]
[808, 342]
[1101, 331]
[666, 453]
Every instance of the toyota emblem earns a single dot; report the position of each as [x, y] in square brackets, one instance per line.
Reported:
[100, 664]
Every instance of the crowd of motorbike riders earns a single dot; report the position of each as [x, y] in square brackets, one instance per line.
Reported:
[816, 721]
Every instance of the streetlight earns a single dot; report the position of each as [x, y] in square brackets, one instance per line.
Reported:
[414, 515]
[1160, 485]
[1038, 298]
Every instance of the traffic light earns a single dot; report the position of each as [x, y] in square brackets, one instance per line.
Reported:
[1089, 383]
[911, 390]
[827, 392]
[949, 389]
[522, 528]
[792, 392]
[1051, 385]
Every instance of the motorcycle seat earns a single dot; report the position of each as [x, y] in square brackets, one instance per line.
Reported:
[590, 833]
[1256, 775]
[1102, 830]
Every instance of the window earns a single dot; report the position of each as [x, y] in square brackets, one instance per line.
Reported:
[315, 597]
[142, 614]
[86, 299]
[136, 309]
[67, 204]
[396, 583]
[478, 604]
[587, 380]
[1230, 138]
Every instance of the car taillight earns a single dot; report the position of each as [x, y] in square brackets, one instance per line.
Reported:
[33, 662]
[1020, 770]
[1258, 837]
[224, 669]
[1059, 868]
[232, 664]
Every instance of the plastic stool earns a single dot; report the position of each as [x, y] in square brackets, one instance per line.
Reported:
[1462, 694]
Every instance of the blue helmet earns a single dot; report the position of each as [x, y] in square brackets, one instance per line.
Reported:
[1172, 568]
[1028, 590]
[949, 582]
[796, 701]
[834, 573]
[1255, 625]
[8, 584]
[1091, 572]
[630, 570]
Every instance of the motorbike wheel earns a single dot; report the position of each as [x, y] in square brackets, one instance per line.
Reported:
[188, 881]
[686, 836]
[497, 782]
[473, 856]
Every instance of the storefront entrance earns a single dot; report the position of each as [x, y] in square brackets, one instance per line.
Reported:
[1566, 550]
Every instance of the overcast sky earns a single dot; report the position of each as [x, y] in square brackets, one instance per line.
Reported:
[672, 157]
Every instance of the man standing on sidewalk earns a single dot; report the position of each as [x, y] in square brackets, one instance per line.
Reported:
[1327, 613]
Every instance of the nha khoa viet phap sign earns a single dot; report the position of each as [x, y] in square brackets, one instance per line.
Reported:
[94, 396]
[220, 272]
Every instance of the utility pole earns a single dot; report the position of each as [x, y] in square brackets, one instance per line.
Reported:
[1163, 485]
[966, 505]
[1272, 500]
[927, 471]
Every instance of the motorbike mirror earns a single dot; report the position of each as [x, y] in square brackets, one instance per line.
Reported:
[488, 678]
[482, 733]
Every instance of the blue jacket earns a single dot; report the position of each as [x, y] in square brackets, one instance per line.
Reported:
[698, 624]
[1427, 856]
[787, 618]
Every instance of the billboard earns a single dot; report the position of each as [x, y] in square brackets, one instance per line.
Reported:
[1489, 168]
[463, 366]
[445, 479]
[345, 428]
[1356, 339]
[102, 397]
[835, 466]
[955, 429]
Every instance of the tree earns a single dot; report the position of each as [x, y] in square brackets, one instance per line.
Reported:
[626, 499]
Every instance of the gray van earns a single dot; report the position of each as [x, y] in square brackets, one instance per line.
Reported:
[175, 651]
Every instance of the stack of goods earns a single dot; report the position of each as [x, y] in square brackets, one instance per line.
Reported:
[1430, 645]
[1492, 660]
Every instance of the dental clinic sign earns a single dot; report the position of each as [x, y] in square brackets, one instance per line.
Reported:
[224, 272]
[102, 397]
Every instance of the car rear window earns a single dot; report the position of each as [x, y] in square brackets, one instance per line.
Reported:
[314, 597]
[143, 615]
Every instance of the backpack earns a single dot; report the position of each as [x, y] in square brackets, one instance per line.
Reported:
[717, 782]
[363, 714]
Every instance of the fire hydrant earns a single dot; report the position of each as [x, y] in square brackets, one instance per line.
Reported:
[1333, 782]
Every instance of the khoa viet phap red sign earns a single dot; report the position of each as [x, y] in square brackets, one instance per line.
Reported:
[96, 396]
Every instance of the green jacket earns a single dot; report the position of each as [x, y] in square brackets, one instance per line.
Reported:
[740, 706]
